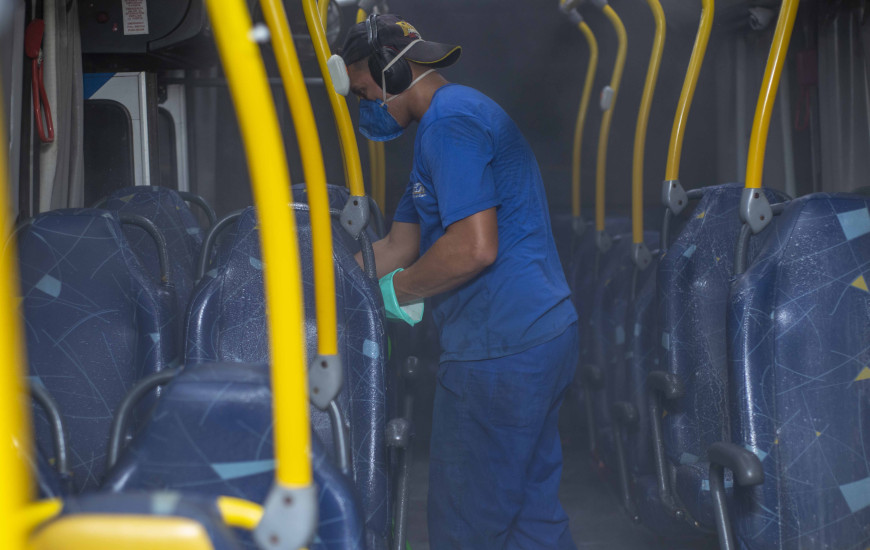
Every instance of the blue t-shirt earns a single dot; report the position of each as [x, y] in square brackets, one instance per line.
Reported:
[469, 156]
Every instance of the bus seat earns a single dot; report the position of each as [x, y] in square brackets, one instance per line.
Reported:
[219, 420]
[101, 520]
[338, 196]
[694, 279]
[95, 323]
[799, 333]
[226, 322]
[176, 222]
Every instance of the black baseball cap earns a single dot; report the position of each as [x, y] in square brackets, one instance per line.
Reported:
[395, 33]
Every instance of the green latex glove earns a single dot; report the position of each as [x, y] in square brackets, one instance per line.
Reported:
[410, 313]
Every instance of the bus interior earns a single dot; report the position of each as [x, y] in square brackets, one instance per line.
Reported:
[189, 363]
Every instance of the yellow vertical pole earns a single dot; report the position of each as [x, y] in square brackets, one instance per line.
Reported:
[604, 133]
[767, 96]
[15, 428]
[323, 8]
[350, 153]
[649, 86]
[270, 180]
[581, 117]
[315, 174]
[678, 132]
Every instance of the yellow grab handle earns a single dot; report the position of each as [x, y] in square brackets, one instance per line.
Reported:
[237, 512]
[675, 150]
[652, 75]
[767, 96]
[315, 174]
[15, 428]
[581, 117]
[270, 180]
[323, 8]
[604, 133]
[350, 153]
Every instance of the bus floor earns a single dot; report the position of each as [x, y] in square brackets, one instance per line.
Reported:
[597, 519]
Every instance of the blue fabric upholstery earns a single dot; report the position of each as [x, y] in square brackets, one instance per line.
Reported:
[610, 301]
[218, 418]
[227, 323]
[95, 324]
[798, 327]
[176, 222]
[338, 196]
[694, 280]
[166, 503]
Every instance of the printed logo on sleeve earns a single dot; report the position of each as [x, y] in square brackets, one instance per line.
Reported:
[418, 191]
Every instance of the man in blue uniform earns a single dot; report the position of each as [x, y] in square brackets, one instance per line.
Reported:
[472, 233]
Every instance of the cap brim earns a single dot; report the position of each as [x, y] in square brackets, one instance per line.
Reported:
[434, 54]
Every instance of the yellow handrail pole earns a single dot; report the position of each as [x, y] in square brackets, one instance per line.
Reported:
[675, 149]
[604, 133]
[323, 8]
[15, 428]
[581, 117]
[315, 174]
[349, 150]
[270, 180]
[649, 87]
[373, 165]
[767, 96]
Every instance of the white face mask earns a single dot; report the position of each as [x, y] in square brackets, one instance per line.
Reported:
[391, 63]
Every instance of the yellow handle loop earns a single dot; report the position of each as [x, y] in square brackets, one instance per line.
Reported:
[323, 9]
[270, 180]
[652, 75]
[604, 133]
[237, 512]
[15, 434]
[349, 151]
[675, 150]
[315, 174]
[581, 117]
[767, 96]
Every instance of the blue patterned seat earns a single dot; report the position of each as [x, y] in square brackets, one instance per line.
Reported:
[179, 227]
[153, 506]
[227, 323]
[799, 332]
[218, 418]
[693, 281]
[96, 322]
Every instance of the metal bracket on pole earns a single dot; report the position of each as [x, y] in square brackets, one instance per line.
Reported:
[289, 518]
[578, 224]
[641, 256]
[755, 210]
[355, 215]
[325, 377]
[674, 197]
[604, 241]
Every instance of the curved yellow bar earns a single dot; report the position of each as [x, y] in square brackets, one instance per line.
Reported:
[604, 133]
[15, 434]
[315, 174]
[675, 150]
[237, 512]
[350, 153]
[767, 96]
[379, 185]
[37, 513]
[271, 185]
[323, 8]
[649, 87]
[581, 117]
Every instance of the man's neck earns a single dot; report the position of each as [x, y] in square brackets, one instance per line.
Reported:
[422, 93]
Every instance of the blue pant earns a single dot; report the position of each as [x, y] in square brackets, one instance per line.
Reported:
[496, 457]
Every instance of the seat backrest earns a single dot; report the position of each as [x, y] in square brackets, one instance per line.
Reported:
[338, 196]
[104, 520]
[693, 280]
[94, 323]
[219, 420]
[227, 323]
[179, 227]
[799, 327]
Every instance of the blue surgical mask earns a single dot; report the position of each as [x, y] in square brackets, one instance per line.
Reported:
[375, 121]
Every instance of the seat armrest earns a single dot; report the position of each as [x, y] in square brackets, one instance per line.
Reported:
[745, 466]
